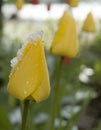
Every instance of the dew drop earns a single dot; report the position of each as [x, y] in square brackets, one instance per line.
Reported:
[17, 68]
[25, 92]
[27, 82]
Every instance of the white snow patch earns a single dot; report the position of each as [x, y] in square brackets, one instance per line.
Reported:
[32, 37]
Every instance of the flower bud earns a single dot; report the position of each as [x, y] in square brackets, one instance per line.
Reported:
[65, 42]
[19, 4]
[72, 3]
[29, 77]
[89, 24]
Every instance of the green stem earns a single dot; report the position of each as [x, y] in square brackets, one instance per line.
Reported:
[56, 96]
[1, 20]
[25, 114]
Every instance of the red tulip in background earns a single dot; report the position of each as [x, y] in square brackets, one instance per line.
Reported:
[34, 1]
[48, 6]
[68, 1]
[67, 60]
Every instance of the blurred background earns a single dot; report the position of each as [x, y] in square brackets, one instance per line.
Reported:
[80, 107]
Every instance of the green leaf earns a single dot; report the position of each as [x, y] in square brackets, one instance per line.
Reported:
[4, 120]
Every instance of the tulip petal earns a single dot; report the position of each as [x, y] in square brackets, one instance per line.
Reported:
[44, 88]
[89, 24]
[65, 42]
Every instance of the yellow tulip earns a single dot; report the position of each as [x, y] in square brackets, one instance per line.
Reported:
[65, 42]
[29, 77]
[19, 4]
[73, 3]
[89, 24]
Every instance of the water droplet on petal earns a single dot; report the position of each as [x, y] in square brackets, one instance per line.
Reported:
[27, 82]
[17, 68]
[25, 92]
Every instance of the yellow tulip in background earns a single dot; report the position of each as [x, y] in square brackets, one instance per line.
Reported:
[29, 76]
[89, 24]
[19, 4]
[73, 3]
[65, 42]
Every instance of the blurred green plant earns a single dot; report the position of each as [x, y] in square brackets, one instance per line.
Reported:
[5, 124]
[7, 52]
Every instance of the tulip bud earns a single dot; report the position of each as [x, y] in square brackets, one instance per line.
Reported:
[72, 3]
[34, 1]
[65, 42]
[89, 24]
[29, 77]
[49, 6]
[19, 4]
[67, 60]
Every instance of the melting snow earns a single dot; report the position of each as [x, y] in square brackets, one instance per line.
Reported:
[32, 37]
